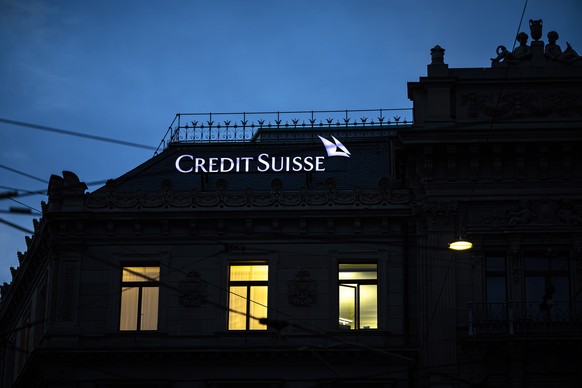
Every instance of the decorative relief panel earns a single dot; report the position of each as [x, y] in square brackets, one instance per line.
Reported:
[529, 213]
[522, 104]
[194, 290]
[110, 198]
[302, 291]
[436, 214]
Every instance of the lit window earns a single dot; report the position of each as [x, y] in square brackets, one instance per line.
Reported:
[247, 302]
[358, 296]
[140, 287]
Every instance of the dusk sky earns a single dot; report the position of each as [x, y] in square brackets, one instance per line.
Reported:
[123, 68]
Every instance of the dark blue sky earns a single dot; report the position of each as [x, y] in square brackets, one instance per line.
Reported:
[123, 69]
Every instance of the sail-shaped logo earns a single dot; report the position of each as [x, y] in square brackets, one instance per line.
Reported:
[335, 148]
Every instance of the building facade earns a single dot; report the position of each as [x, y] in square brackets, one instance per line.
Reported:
[314, 253]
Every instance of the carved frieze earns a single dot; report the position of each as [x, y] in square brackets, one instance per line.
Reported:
[520, 104]
[538, 212]
[383, 195]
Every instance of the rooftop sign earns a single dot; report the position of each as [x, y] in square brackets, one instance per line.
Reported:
[191, 164]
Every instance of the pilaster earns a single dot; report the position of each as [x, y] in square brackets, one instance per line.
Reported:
[436, 282]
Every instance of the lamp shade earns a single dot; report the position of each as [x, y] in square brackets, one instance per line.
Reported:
[460, 245]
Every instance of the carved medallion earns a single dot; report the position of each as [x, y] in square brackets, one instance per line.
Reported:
[302, 291]
[194, 290]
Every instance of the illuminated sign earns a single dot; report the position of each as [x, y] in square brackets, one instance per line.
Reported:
[264, 162]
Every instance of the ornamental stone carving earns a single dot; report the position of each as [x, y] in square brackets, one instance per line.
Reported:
[519, 104]
[383, 195]
[302, 290]
[529, 213]
[535, 28]
[194, 290]
[436, 214]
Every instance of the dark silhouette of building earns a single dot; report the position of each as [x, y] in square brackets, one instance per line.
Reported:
[314, 253]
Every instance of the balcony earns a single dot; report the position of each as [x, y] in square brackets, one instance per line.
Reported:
[243, 127]
[558, 318]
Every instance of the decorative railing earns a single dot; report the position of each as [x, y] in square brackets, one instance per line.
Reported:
[524, 318]
[247, 126]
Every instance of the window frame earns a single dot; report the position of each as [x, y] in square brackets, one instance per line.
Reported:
[549, 274]
[248, 284]
[357, 294]
[140, 285]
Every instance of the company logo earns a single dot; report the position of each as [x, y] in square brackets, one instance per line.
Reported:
[264, 162]
[336, 148]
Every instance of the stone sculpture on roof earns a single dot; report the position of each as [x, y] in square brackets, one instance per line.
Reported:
[535, 54]
[554, 52]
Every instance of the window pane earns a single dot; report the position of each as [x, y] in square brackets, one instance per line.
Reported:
[249, 272]
[258, 307]
[347, 306]
[358, 299]
[149, 308]
[139, 304]
[535, 287]
[129, 301]
[495, 264]
[132, 274]
[496, 289]
[561, 286]
[238, 305]
[368, 306]
[358, 271]
[537, 264]
[559, 264]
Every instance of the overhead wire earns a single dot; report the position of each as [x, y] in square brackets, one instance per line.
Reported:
[449, 265]
[494, 116]
[25, 205]
[221, 306]
[14, 192]
[25, 193]
[15, 226]
[77, 134]
[23, 173]
[263, 320]
[62, 132]
[275, 322]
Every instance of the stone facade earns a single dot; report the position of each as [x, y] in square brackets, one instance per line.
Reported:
[494, 155]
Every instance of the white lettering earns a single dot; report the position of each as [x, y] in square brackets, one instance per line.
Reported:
[274, 164]
[319, 163]
[223, 167]
[213, 165]
[265, 163]
[179, 168]
[247, 160]
[199, 165]
[297, 166]
[308, 164]
[262, 160]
